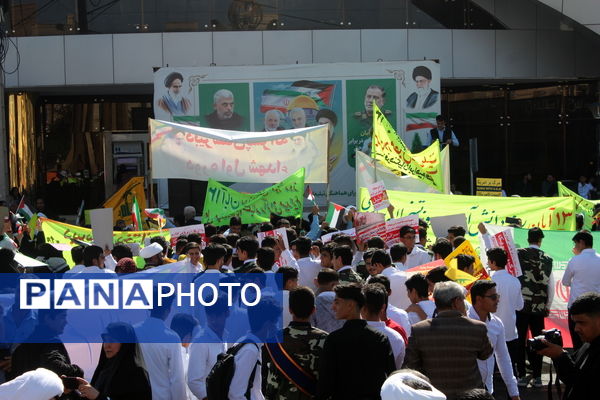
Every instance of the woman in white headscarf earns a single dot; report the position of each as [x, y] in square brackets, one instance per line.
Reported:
[41, 384]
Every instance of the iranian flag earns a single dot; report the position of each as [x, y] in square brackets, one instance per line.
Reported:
[157, 215]
[422, 120]
[334, 215]
[23, 210]
[136, 216]
[280, 98]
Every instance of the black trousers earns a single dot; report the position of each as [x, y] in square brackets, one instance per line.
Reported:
[526, 322]
[577, 342]
[512, 352]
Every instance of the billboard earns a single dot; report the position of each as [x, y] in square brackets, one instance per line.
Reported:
[279, 97]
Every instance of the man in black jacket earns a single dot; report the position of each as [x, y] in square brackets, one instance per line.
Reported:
[580, 370]
[356, 358]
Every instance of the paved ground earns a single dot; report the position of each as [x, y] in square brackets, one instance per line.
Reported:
[529, 393]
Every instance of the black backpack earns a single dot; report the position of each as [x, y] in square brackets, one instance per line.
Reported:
[221, 374]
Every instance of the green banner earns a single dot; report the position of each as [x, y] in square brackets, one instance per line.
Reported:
[557, 244]
[557, 213]
[582, 206]
[58, 232]
[284, 198]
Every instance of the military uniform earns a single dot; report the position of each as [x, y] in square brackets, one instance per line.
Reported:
[305, 344]
[349, 275]
[536, 267]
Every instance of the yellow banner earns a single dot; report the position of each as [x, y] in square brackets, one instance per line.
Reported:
[58, 232]
[553, 213]
[392, 153]
[122, 201]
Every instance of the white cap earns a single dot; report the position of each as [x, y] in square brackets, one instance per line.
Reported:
[151, 250]
[394, 388]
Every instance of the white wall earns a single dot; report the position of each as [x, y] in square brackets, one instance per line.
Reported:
[129, 58]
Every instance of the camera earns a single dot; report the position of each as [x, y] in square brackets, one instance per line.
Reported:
[552, 335]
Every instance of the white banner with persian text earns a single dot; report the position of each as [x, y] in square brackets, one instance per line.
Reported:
[189, 152]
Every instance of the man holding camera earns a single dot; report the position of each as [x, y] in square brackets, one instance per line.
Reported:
[580, 370]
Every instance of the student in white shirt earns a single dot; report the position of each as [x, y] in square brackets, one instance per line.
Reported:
[307, 267]
[398, 315]
[263, 318]
[192, 253]
[206, 347]
[77, 257]
[582, 274]
[421, 307]
[485, 302]
[511, 298]
[399, 252]
[185, 325]
[381, 263]
[375, 304]
[162, 354]
[93, 261]
[415, 256]
[290, 282]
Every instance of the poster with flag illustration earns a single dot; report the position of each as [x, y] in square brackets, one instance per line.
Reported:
[267, 98]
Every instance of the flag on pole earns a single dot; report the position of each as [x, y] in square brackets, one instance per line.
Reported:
[23, 210]
[80, 213]
[136, 217]
[157, 215]
[335, 212]
[309, 194]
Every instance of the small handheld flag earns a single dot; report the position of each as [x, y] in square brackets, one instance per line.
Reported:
[136, 216]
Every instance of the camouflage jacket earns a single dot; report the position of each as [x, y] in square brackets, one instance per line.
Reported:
[305, 344]
[350, 275]
[536, 267]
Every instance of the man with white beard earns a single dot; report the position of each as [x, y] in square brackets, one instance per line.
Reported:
[425, 96]
[224, 115]
[173, 101]
[272, 121]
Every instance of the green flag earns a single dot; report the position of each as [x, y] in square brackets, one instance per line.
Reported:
[582, 206]
[284, 198]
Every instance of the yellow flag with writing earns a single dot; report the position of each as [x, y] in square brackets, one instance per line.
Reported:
[122, 201]
[392, 153]
[479, 272]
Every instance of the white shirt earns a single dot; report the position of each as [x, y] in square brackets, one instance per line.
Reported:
[185, 358]
[495, 332]
[511, 301]
[91, 270]
[417, 257]
[399, 266]
[397, 278]
[163, 360]
[110, 262]
[202, 357]
[428, 308]
[308, 269]
[584, 189]
[76, 269]
[396, 340]
[246, 360]
[582, 274]
[287, 316]
[400, 317]
[288, 260]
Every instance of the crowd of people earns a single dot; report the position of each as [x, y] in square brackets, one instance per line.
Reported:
[356, 324]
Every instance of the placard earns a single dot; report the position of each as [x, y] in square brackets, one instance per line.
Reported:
[102, 227]
[379, 196]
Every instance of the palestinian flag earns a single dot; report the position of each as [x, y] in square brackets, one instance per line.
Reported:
[136, 217]
[23, 210]
[310, 196]
[418, 121]
[322, 90]
[334, 215]
[157, 215]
